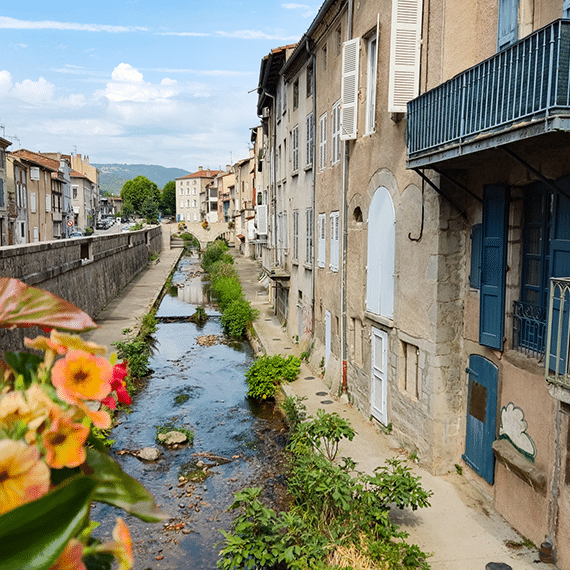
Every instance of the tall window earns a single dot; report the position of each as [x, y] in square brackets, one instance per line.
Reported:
[508, 23]
[295, 235]
[323, 141]
[335, 242]
[309, 80]
[295, 94]
[33, 202]
[310, 139]
[322, 236]
[372, 68]
[335, 135]
[309, 236]
[294, 146]
[324, 57]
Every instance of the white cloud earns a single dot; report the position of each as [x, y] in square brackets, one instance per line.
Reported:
[190, 34]
[14, 24]
[255, 35]
[81, 128]
[5, 82]
[128, 85]
[34, 91]
[308, 11]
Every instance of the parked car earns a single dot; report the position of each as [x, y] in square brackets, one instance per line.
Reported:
[76, 234]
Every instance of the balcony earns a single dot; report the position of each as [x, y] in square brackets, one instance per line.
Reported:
[557, 371]
[520, 92]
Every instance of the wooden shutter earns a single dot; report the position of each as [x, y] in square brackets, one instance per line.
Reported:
[349, 89]
[493, 266]
[261, 219]
[405, 45]
[508, 22]
[322, 243]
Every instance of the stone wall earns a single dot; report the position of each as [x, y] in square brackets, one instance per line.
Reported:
[87, 272]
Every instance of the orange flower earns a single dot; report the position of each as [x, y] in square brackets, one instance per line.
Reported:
[64, 442]
[23, 476]
[122, 547]
[70, 558]
[81, 376]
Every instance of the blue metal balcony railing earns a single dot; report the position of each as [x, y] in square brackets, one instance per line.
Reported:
[529, 329]
[528, 80]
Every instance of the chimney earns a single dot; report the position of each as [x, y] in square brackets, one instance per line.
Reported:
[200, 169]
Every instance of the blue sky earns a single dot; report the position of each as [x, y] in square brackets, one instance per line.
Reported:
[139, 81]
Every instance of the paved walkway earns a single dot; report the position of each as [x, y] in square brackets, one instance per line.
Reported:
[461, 528]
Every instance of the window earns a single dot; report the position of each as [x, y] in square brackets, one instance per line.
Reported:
[295, 234]
[566, 9]
[309, 233]
[284, 98]
[508, 23]
[310, 126]
[36, 234]
[324, 57]
[335, 158]
[322, 237]
[371, 71]
[34, 173]
[338, 40]
[278, 101]
[323, 141]
[475, 273]
[74, 190]
[309, 86]
[33, 202]
[409, 369]
[335, 243]
[295, 94]
[294, 146]
[1, 193]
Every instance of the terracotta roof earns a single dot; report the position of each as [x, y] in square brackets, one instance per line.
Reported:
[37, 158]
[201, 174]
[75, 174]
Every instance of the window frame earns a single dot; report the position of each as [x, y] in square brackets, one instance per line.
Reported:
[323, 141]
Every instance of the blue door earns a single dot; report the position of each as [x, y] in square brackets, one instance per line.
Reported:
[481, 417]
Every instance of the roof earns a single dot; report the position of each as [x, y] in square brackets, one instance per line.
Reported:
[37, 158]
[201, 174]
[271, 64]
[75, 174]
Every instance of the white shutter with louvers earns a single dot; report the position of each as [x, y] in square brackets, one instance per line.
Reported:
[322, 243]
[349, 89]
[261, 219]
[405, 47]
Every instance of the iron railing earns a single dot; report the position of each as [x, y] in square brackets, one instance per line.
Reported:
[557, 369]
[525, 81]
[529, 329]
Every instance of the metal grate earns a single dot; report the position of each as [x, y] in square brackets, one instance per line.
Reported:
[557, 344]
[529, 329]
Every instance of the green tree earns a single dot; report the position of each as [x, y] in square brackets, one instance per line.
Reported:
[168, 199]
[149, 210]
[137, 190]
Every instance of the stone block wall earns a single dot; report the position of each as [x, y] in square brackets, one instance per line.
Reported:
[87, 272]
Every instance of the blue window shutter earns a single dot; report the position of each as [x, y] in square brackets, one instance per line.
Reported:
[493, 266]
[566, 9]
[475, 274]
[560, 267]
[508, 22]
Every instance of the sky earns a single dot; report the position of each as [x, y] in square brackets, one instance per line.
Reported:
[171, 83]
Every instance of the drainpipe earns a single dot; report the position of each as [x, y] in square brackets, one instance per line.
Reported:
[345, 232]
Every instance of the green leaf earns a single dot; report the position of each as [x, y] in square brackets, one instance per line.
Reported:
[24, 364]
[116, 488]
[33, 535]
[23, 306]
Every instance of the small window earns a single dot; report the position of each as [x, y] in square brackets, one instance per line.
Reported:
[34, 173]
[309, 80]
[338, 40]
[296, 94]
[324, 57]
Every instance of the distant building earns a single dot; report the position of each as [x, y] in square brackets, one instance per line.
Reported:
[188, 190]
[4, 218]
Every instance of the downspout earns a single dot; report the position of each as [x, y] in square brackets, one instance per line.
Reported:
[313, 198]
[345, 232]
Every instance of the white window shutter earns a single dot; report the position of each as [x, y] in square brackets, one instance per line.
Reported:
[322, 243]
[349, 89]
[261, 219]
[405, 45]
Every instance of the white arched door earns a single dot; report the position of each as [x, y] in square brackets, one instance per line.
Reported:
[380, 258]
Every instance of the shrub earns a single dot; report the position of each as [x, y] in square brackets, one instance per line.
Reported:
[265, 374]
[227, 290]
[214, 251]
[237, 316]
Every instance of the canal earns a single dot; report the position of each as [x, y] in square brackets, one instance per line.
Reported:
[197, 384]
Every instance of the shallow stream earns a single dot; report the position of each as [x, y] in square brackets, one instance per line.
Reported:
[236, 444]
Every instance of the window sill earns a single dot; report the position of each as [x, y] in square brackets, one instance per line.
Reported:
[308, 167]
[307, 266]
[384, 321]
[513, 461]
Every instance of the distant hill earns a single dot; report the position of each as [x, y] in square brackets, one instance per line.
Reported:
[113, 176]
